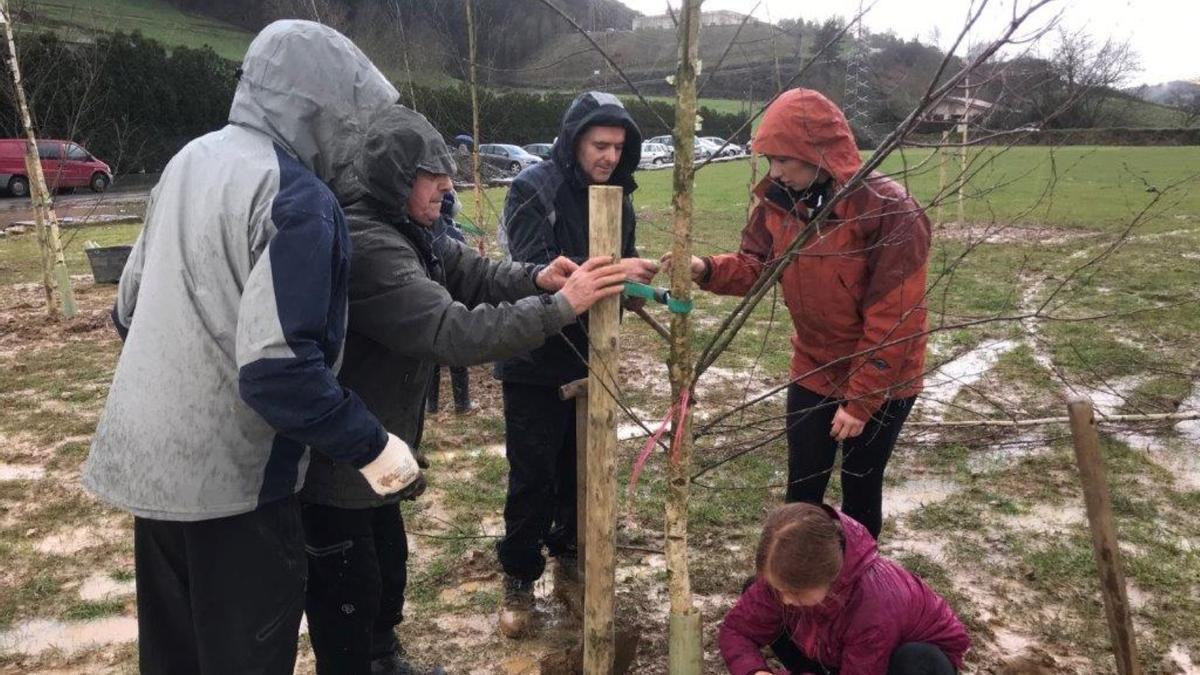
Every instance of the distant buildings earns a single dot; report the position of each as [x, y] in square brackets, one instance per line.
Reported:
[722, 17]
[956, 108]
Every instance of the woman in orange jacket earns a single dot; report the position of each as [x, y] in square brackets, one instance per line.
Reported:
[855, 291]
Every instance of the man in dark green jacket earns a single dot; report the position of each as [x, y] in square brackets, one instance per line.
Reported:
[413, 304]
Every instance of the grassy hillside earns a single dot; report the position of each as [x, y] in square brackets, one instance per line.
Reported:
[154, 18]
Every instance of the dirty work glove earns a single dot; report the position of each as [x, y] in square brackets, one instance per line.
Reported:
[394, 469]
[414, 490]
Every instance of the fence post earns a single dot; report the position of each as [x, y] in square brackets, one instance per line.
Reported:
[1104, 535]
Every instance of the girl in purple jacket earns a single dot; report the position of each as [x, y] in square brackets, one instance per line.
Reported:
[825, 601]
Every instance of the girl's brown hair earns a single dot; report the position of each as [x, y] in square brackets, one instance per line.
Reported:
[801, 548]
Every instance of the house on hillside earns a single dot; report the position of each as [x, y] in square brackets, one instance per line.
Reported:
[955, 109]
[722, 17]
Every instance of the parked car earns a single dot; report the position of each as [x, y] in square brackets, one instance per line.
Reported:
[511, 158]
[541, 150]
[731, 150]
[667, 140]
[657, 154]
[66, 165]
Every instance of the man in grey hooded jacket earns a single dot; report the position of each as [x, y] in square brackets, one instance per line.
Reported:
[233, 307]
[414, 302]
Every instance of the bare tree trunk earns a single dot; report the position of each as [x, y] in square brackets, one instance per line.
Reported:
[476, 177]
[54, 264]
[684, 641]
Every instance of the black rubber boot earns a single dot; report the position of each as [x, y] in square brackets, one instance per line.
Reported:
[432, 395]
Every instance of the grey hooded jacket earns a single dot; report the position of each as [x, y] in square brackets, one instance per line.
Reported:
[234, 299]
[415, 302]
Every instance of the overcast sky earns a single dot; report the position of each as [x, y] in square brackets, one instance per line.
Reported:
[1162, 32]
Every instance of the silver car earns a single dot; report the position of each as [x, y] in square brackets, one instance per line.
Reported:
[656, 154]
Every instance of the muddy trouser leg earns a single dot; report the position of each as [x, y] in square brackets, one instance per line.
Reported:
[564, 532]
[344, 587]
[431, 397]
[222, 595]
[920, 658]
[864, 459]
[460, 383]
[391, 550]
[810, 449]
[536, 422]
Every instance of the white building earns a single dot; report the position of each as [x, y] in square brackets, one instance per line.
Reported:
[956, 108]
[722, 17]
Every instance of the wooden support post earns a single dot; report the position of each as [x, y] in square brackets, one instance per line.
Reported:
[684, 642]
[1104, 535]
[476, 174]
[604, 220]
[939, 220]
[54, 263]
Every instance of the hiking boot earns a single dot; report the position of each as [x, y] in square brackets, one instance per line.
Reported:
[516, 613]
[398, 663]
[460, 384]
[568, 583]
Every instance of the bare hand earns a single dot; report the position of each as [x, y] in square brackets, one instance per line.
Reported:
[596, 279]
[640, 270]
[553, 276]
[697, 266]
[845, 425]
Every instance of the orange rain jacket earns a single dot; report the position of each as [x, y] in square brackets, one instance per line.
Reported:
[856, 288]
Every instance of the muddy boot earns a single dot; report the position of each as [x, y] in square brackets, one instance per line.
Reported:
[516, 613]
[460, 383]
[568, 583]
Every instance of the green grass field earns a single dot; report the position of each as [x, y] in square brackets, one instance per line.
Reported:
[154, 18]
[992, 519]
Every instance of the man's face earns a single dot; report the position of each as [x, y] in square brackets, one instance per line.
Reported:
[598, 152]
[425, 200]
[794, 173]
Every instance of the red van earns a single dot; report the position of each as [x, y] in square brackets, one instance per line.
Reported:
[65, 164]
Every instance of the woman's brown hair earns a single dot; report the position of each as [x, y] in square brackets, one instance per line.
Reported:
[801, 548]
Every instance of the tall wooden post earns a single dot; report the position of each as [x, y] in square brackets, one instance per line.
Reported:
[577, 391]
[476, 175]
[941, 193]
[599, 538]
[54, 263]
[1104, 535]
[684, 639]
[962, 149]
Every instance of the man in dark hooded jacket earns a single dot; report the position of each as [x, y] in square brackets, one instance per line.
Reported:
[546, 215]
[413, 304]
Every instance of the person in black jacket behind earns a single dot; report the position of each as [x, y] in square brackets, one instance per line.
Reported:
[545, 216]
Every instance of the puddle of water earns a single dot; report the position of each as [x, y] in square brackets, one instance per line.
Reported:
[1006, 453]
[1190, 429]
[1046, 518]
[1179, 654]
[103, 587]
[39, 635]
[944, 383]
[914, 494]
[21, 472]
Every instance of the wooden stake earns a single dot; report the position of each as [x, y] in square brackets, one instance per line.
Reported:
[604, 220]
[476, 176]
[54, 267]
[684, 639]
[1104, 535]
[962, 149]
[941, 193]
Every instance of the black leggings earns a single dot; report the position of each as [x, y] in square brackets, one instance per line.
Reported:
[811, 452]
[910, 658]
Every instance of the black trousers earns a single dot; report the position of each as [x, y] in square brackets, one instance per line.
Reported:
[220, 596]
[357, 562]
[910, 658]
[460, 385]
[811, 452]
[539, 432]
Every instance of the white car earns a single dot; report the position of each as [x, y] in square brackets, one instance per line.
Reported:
[656, 154]
[731, 150]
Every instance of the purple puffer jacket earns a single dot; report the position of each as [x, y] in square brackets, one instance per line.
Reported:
[873, 607]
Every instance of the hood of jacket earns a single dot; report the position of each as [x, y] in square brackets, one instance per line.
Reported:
[859, 552]
[399, 143]
[589, 109]
[802, 123]
[313, 92]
